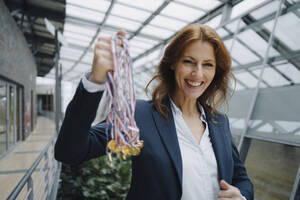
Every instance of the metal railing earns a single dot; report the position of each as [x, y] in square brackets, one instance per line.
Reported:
[41, 178]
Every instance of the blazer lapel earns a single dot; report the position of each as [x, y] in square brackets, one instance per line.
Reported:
[167, 131]
[220, 146]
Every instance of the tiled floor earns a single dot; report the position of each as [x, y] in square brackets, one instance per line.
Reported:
[15, 164]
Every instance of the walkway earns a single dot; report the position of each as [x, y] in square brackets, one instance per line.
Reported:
[15, 164]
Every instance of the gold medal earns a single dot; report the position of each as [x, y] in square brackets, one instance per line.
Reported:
[111, 145]
[126, 150]
[135, 151]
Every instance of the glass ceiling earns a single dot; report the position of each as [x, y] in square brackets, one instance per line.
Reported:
[246, 30]
[150, 25]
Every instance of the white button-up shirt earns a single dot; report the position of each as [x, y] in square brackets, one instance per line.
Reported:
[199, 165]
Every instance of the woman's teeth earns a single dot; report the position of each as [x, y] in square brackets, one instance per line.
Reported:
[194, 84]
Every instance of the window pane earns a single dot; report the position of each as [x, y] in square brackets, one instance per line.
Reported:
[140, 62]
[130, 13]
[205, 5]
[77, 36]
[78, 42]
[265, 10]
[83, 13]
[79, 29]
[18, 130]
[290, 71]
[122, 23]
[91, 4]
[73, 74]
[168, 23]
[148, 5]
[272, 77]
[11, 116]
[182, 12]
[239, 86]
[256, 43]
[142, 42]
[138, 46]
[66, 64]
[82, 68]
[287, 30]
[157, 32]
[70, 51]
[232, 26]
[214, 22]
[244, 6]
[247, 79]
[88, 58]
[221, 32]
[3, 102]
[240, 53]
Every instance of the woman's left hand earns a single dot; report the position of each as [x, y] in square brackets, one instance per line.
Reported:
[228, 192]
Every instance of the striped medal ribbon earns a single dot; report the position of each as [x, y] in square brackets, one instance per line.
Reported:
[125, 138]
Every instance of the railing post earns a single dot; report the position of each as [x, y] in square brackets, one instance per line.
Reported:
[56, 181]
[47, 171]
[30, 188]
[295, 194]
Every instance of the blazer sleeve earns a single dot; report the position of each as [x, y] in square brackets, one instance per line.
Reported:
[240, 178]
[77, 141]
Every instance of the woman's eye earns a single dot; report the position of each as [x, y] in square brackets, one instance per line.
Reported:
[187, 61]
[209, 64]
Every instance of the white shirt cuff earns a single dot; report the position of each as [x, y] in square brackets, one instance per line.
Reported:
[244, 198]
[91, 86]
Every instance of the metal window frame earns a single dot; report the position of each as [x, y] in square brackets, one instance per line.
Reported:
[7, 115]
[20, 93]
[14, 88]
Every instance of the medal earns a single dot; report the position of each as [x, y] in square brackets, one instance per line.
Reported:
[121, 104]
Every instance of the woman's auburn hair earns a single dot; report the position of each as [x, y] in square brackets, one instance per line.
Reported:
[217, 91]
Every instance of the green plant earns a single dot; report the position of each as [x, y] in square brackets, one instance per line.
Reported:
[94, 179]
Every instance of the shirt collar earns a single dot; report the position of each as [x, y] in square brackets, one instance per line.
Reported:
[177, 111]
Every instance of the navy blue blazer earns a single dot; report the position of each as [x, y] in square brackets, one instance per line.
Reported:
[157, 171]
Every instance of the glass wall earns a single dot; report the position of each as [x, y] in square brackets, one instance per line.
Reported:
[10, 115]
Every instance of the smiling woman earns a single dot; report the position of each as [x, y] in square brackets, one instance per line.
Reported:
[189, 152]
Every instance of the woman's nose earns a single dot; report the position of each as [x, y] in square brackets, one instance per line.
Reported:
[199, 70]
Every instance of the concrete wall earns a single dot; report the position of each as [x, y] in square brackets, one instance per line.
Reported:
[17, 63]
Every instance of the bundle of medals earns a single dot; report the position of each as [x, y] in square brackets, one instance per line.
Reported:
[125, 139]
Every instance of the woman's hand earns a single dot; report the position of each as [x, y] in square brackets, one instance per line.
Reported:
[229, 192]
[102, 62]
